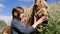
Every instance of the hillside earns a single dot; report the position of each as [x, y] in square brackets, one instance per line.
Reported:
[53, 26]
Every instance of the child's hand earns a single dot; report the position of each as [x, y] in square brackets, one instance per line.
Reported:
[41, 20]
[38, 22]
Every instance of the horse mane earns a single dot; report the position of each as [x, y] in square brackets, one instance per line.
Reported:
[29, 19]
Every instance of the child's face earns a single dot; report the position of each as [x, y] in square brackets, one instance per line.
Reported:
[21, 14]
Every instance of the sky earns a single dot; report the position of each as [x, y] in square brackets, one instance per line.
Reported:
[6, 6]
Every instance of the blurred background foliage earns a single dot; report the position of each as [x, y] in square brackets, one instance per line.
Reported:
[2, 26]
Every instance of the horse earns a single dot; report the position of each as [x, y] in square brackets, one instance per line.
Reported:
[35, 8]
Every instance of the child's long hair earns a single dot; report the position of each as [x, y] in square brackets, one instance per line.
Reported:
[17, 10]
